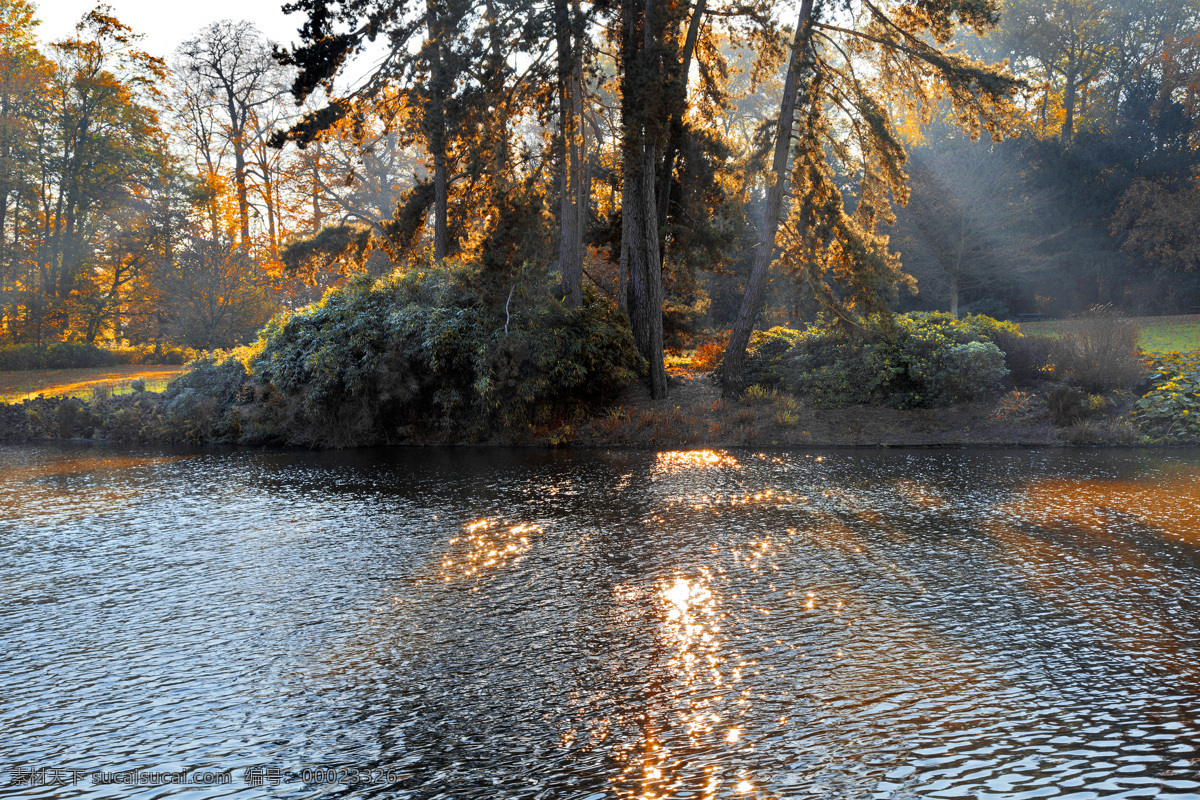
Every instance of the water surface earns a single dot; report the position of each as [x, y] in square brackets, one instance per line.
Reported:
[590, 625]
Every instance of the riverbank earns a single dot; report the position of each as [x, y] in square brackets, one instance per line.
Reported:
[692, 415]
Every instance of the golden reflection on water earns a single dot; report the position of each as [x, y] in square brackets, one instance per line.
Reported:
[486, 544]
[1170, 506]
[1082, 556]
[686, 460]
[14, 502]
[690, 745]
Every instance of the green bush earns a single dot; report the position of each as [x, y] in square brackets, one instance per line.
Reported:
[422, 347]
[80, 356]
[1171, 407]
[199, 405]
[765, 354]
[77, 356]
[56, 356]
[20, 356]
[918, 359]
[169, 355]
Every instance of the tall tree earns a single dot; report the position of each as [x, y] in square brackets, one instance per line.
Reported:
[843, 77]
[24, 82]
[643, 49]
[229, 70]
[102, 145]
[569, 28]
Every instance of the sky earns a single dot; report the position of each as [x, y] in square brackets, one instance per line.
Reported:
[168, 23]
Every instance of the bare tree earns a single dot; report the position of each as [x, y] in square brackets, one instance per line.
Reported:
[230, 73]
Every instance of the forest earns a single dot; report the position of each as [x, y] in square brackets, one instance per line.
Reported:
[600, 178]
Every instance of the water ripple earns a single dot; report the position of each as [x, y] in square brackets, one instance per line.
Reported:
[481, 624]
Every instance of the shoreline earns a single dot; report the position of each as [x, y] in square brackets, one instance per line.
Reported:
[692, 416]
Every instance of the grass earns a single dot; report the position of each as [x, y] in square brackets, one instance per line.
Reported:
[1180, 332]
[85, 383]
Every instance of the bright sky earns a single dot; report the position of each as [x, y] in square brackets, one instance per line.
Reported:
[168, 23]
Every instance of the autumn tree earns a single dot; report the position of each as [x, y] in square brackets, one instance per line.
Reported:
[24, 80]
[844, 79]
[101, 143]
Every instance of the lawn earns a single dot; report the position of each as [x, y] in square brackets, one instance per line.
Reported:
[1178, 332]
[85, 383]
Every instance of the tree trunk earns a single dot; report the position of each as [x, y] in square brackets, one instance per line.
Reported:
[679, 106]
[317, 217]
[269, 196]
[733, 370]
[1068, 128]
[954, 295]
[645, 288]
[239, 166]
[639, 216]
[570, 130]
[623, 266]
[435, 121]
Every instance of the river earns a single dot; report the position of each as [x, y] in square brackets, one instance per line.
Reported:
[472, 623]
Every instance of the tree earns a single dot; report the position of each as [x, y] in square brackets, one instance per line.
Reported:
[100, 146]
[969, 224]
[230, 74]
[1070, 41]
[841, 83]
[24, 81]
[1158, 220]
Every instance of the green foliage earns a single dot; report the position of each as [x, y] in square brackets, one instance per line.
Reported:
[169, 355]
[765, 356]
[75, 356]
[20, 357]
[199, 405]
[756, 395]
[918, 360]
[421, 347]
[1171, 406]
[56, 356]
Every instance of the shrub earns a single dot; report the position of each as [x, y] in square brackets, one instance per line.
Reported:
[422, 347]
[1171, 406]
[1099, 351]
[765, 353]
[76, 356]
[973, 369]
[709, 355]
[757, 395]
[150, 354]
[1028, 358]
[1067, 404]
[919, 359]
[198, 405]
[20, 356]
[80, 356]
